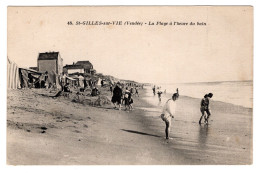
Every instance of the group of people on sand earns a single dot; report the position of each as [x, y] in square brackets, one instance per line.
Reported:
[169, 110]
[125, 97]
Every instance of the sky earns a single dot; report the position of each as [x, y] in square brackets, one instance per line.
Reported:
[221, 50]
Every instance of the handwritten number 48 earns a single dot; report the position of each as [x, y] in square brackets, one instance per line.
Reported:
[70, 23]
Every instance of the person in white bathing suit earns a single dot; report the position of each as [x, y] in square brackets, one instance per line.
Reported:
[169, 112]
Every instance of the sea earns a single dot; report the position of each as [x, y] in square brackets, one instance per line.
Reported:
[234, 92]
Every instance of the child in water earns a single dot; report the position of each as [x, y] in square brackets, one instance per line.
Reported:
[205, 109]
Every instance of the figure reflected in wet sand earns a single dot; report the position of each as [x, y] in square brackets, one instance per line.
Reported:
[168, 113]
[205, 109]
[202, 137]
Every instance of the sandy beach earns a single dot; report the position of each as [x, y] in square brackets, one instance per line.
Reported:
[59, 131]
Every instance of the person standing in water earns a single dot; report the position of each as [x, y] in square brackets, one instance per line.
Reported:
[204, 108]
[177, 91]
[154, 90]
[159, 95]
[136, 91]
[168, 113]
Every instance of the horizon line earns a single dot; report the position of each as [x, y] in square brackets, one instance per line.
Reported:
[249, 80]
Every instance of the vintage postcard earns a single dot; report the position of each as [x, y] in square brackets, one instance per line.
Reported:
[130, 85]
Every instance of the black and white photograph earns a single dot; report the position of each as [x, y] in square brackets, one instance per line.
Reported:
[129, 85]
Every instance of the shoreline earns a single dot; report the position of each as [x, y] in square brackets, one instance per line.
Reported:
[80, 134]
[215, 102]
[234, 92]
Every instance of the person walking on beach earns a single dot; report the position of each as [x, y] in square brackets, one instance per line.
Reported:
[127, 95]
[205, 109]
[177, 91]
[111, 89]
[128, 100]
[131, 101]
[168, 113]
[159, 95]
[132, 91]
[136, 91]
[154, 90]
[117, 94]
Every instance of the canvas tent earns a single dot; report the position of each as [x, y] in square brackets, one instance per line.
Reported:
[80, 81]
[70, 78]
[28, 77]
[53, 78]
[99, 82]
[71, 81]
[13, 80]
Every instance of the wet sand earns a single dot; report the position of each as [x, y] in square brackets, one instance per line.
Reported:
[56, 131]
[226, 140]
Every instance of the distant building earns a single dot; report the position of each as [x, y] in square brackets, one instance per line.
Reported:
[50, 61]
[79, 67]
[88, 67]
[69, 69]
